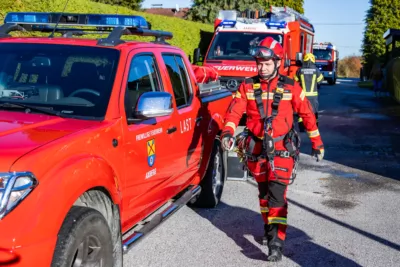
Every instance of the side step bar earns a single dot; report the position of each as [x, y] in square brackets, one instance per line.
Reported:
[159, 218]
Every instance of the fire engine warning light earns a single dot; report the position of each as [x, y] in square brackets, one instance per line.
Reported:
[77, 19]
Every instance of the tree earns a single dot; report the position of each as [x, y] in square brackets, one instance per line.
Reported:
[295, 4]
[381, 16]
[132, 4]
[207, 10]
[349, 67]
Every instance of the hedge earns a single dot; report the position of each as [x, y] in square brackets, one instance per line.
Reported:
[188, 35]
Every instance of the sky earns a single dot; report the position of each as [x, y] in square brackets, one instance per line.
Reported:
[340, 22]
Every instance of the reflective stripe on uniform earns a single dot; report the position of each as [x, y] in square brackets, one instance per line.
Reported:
[320, 78]
[313, 134]
[264, 209]
[311, 93]
[270, 96]
[280, 220]
[238, 95]
[313, 85]
[232, 125]
[302, 95]
[303, 82]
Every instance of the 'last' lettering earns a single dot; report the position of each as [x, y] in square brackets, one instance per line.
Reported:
[186, 125]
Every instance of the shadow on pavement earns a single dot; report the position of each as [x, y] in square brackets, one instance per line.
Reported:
[245, 227]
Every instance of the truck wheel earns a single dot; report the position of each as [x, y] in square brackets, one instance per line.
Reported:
[213, 182]
[83, 240]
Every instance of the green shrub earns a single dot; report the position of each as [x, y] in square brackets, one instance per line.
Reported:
[188, 35]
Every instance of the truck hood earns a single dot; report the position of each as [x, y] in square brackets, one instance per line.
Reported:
[20, 133]
[231, 68]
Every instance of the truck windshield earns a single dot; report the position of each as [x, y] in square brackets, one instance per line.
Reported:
[73, 80]
[236, 45]
[322, 54]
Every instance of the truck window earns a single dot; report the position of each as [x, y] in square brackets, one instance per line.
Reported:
[236, 45]
[143, 77]
[322, 54]
[179, 78]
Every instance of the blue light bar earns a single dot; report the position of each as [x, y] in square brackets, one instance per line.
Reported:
[281, 24]
[117, 20]
[27, 17]
[76, 19]
[228, 23]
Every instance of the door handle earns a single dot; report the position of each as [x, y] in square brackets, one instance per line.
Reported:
[171, 130]
[198, 119]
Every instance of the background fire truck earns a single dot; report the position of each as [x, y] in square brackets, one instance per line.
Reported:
[326, 59]
[235, 33]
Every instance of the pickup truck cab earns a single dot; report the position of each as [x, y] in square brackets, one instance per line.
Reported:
[101, 140]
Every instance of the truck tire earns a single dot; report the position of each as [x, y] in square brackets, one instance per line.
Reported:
[213, 182]
[83, 240]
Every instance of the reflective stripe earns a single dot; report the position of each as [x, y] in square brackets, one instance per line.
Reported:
[232, 125]
[300, 120]
[279, 220]
[264, 209]
[287, 96]
[296, 78]
[270, 96]
[238, 95]
[302, 95]
[311, 93]
[303, 82]
[320, 78]
[313, 134]
[313, 84]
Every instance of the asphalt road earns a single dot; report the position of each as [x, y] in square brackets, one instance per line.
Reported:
[344, 211]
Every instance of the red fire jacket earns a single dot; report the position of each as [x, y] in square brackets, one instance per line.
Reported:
[293, 100]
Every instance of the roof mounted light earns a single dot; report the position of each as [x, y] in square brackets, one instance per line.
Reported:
[280, 24]
[76, 19]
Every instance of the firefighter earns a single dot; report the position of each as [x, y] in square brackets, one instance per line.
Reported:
[269, 141]
[310, 79]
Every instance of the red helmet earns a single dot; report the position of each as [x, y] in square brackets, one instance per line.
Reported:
[268, 48]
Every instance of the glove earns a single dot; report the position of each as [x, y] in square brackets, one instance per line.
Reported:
[227, 142]
[318, 153]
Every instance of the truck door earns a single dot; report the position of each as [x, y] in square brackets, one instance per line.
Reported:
[188, 117]
[147, 144]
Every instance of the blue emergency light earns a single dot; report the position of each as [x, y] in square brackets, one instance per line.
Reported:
[281, 24]
[94, 20]
[228, 23]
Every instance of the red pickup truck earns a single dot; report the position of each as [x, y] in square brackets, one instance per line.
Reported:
[101, 140]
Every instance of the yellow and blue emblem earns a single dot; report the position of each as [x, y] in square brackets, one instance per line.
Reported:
[151, 152]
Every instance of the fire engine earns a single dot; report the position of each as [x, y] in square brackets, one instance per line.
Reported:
[236, 32]
[326, 59]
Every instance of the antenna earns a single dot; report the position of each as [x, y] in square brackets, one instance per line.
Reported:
[52, 33]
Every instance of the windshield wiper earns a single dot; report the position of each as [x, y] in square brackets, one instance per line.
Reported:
[28, 108]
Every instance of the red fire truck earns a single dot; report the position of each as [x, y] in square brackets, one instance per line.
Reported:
[236, 32]
[326, 59]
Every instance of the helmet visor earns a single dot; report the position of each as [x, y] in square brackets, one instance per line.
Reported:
[262, 52]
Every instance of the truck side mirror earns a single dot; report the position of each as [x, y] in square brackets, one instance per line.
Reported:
[153, 104]
[196, 55]
[299, 58]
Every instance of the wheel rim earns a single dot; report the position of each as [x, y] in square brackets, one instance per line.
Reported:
[89, 253]
[217, 175]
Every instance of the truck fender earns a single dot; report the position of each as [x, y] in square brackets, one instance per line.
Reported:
[61, 187]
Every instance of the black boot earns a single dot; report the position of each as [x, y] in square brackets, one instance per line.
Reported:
[275, 253]
[275, 244]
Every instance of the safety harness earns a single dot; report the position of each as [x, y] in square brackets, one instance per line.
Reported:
[291, 139]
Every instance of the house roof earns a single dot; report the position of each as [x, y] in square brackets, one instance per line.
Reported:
[170, 12]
